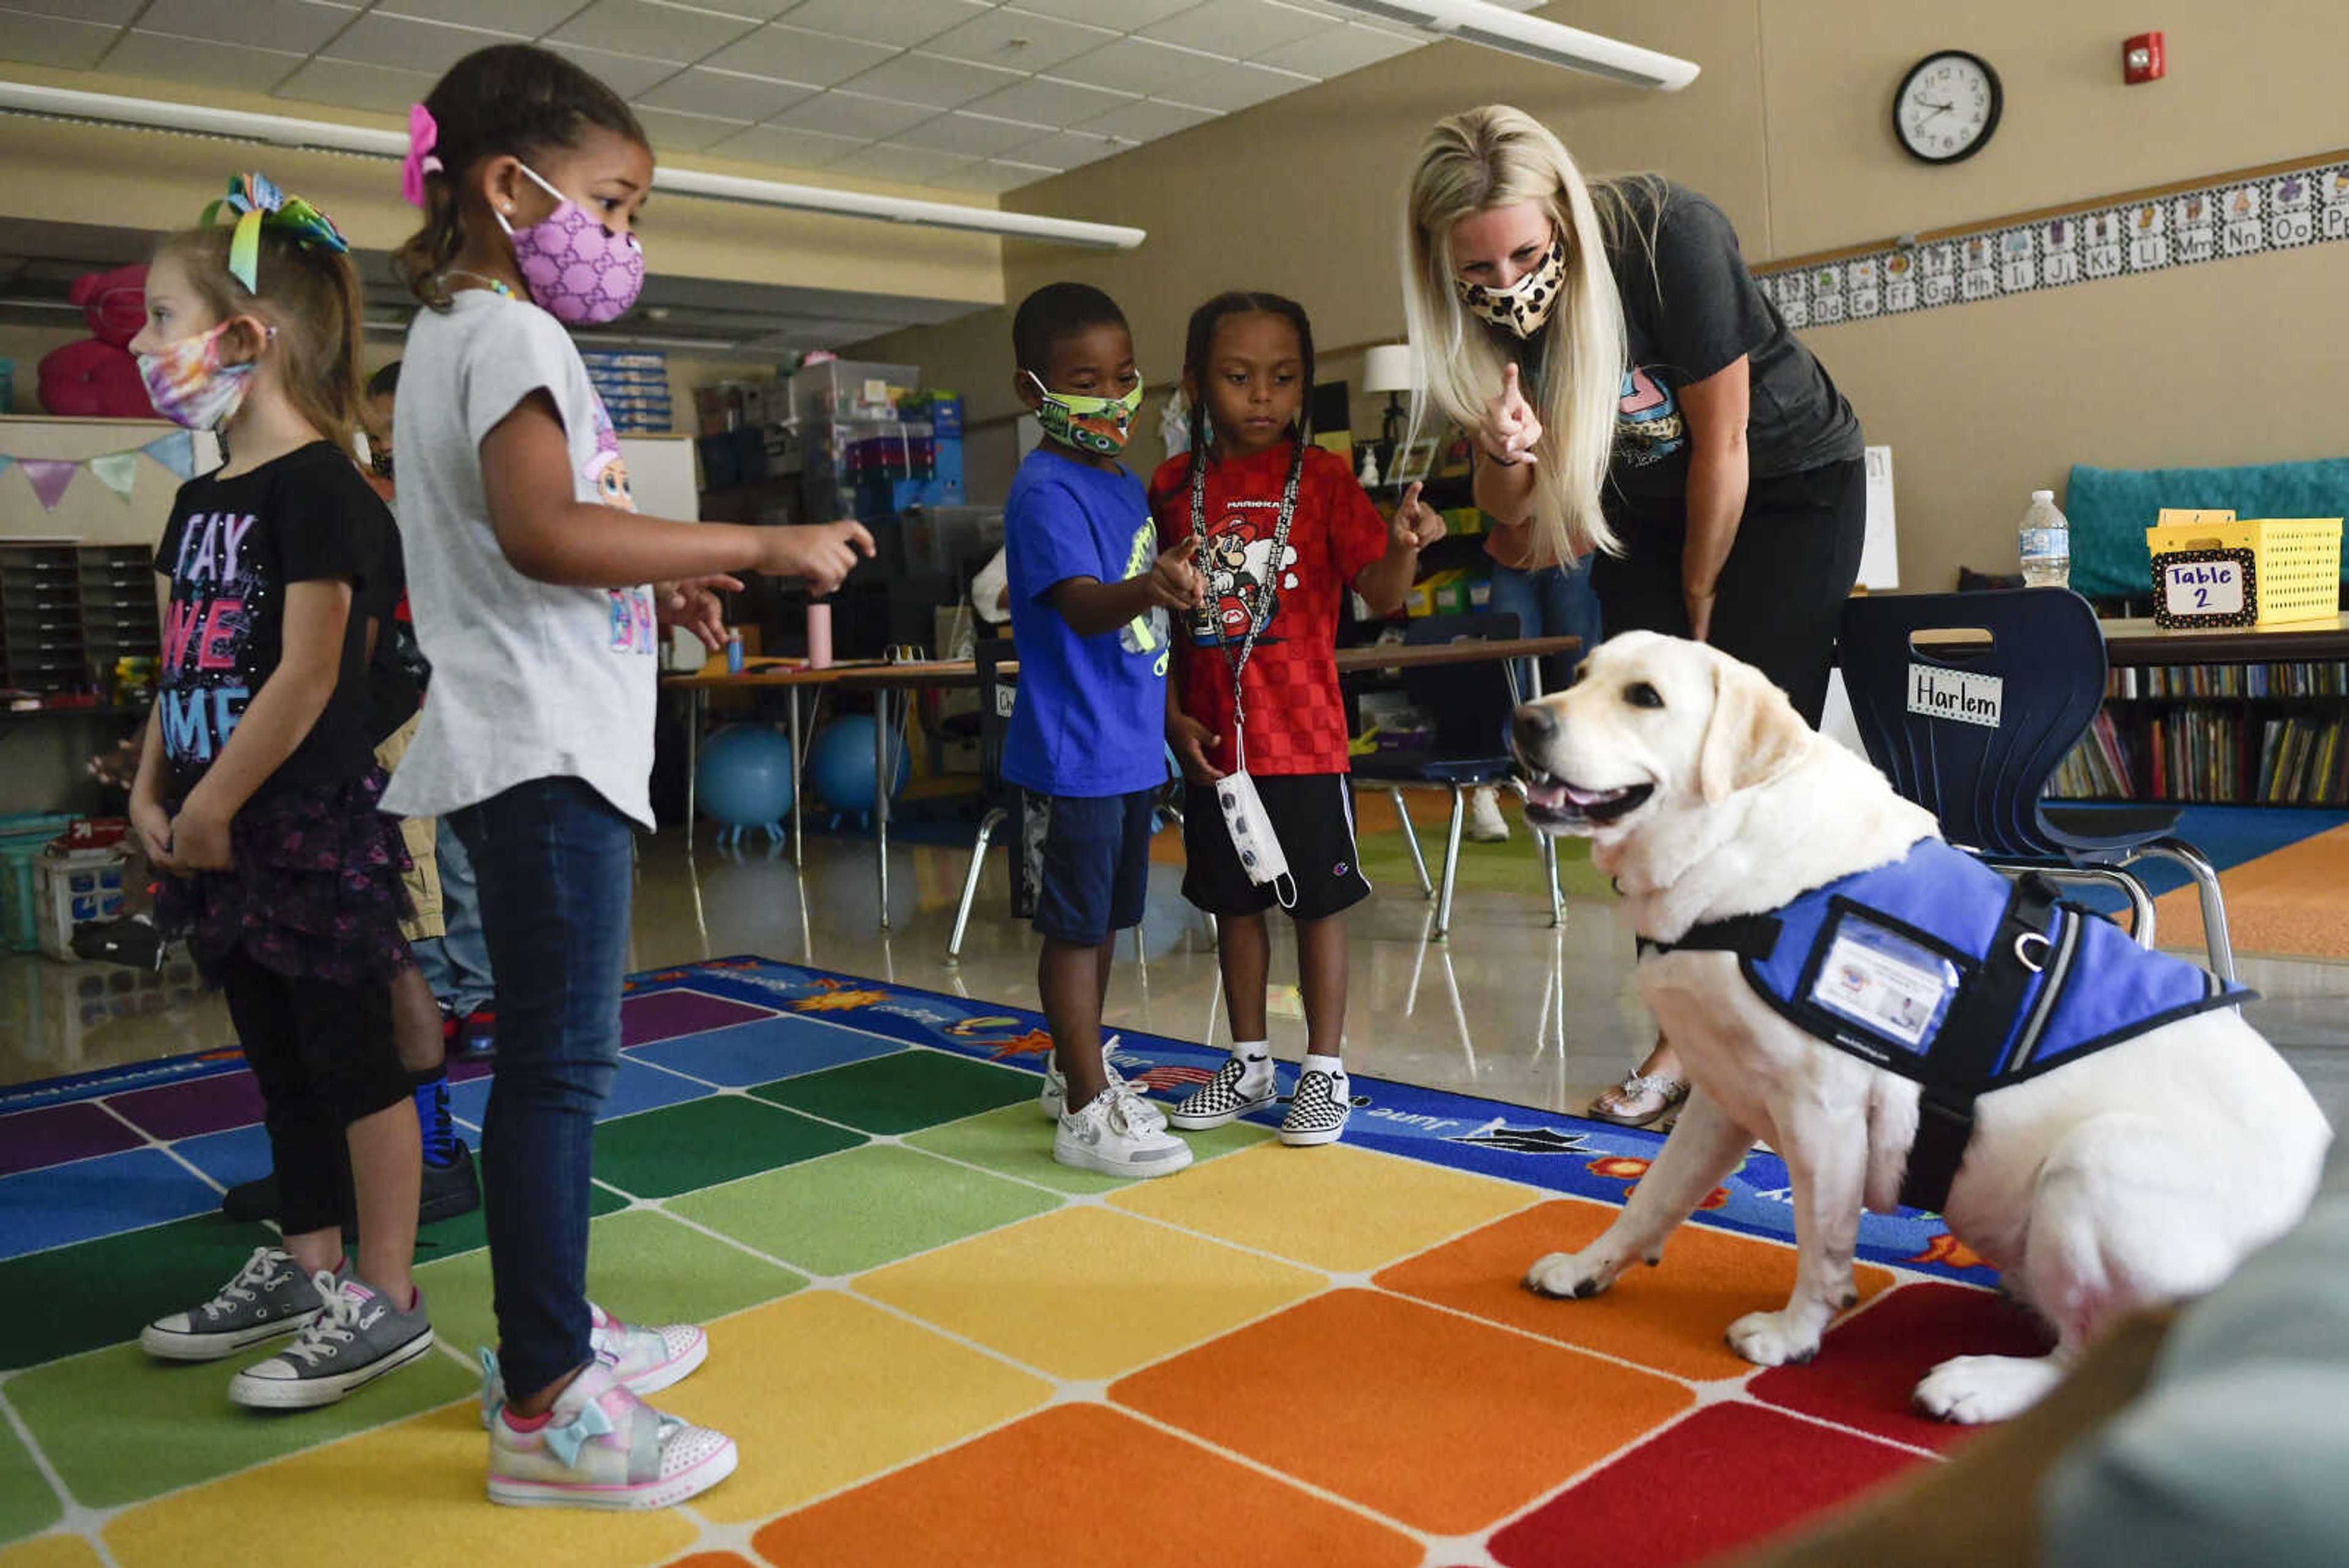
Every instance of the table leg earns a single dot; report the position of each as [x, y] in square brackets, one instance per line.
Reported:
[799, 785]
[882, 762]
[696, 703]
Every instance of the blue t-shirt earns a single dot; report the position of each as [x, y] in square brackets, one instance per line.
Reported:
[1090, 717]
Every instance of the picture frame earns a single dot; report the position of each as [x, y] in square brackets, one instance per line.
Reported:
[1413, 461]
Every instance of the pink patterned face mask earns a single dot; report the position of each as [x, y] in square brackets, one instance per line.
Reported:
[189, 386]
[579, 272]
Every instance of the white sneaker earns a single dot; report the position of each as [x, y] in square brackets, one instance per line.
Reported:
[1053, 1098]
[1111, 1136]
[645, 1359]
[604, 1448]
[1486, 822]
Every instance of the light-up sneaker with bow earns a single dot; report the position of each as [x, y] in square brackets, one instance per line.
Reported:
[602, 1447]
[644, 1357]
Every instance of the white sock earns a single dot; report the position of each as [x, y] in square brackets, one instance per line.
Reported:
[1255, 1057]
[1333, 1065]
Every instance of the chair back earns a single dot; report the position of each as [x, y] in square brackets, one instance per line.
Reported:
[1969, 702]
[1471, 704]
[995, 691]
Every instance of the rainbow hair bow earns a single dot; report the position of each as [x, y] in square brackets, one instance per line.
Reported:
[257, 203]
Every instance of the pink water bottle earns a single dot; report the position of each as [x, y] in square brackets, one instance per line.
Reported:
[819, 633]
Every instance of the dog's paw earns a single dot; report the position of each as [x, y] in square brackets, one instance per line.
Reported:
[1565, 1274]
[1772, 1339]
[1972, 1389]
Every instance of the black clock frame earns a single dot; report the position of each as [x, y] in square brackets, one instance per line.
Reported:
[1990, 127]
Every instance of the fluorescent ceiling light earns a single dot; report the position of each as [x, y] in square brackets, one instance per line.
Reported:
[1552, 43]
[282, 130]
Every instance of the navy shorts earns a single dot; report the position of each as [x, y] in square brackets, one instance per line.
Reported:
[1312, 816]
[1088, 859]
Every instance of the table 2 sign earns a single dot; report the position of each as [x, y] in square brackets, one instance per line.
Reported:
[2205, 587]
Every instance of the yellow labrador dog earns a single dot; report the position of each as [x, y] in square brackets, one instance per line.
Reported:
[2115, 1180]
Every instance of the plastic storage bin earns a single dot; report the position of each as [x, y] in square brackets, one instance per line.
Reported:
[23, 837]
[2296, 562]
[76, 889]
[845, 390]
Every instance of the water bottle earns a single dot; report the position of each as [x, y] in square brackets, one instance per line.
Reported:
[2046, 543]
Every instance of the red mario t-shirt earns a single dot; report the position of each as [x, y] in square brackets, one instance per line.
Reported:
[1296, 720]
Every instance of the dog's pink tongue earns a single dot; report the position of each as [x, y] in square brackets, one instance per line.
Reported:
[1545, 794]
[1585, 796]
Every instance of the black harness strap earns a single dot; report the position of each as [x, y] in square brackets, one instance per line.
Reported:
[1970, 1040]
[1754, 937]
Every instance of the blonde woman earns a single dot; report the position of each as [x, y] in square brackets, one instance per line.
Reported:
[1639, 407]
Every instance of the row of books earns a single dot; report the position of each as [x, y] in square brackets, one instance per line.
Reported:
[2301, 679]
[2206, 755]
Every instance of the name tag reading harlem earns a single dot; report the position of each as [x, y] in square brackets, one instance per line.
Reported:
[1959, 694]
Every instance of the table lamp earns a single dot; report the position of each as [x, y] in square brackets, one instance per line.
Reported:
[1387, 368]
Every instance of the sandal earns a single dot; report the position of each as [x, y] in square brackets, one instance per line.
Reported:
[1638, 1100]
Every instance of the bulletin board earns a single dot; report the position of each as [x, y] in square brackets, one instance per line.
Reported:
[2276, 207]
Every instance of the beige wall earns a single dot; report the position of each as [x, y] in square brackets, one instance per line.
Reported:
[1788, 129]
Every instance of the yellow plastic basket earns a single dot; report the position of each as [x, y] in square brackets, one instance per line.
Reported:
[2296, 561]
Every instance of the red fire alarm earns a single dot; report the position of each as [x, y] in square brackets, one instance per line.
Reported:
[2141, 59]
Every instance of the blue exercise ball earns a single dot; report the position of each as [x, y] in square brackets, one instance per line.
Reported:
[745, 776]
[840, 765]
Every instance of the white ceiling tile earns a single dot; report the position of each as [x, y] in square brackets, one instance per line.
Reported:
[1069, 149]
[1017, 40]
[527, 16]
[838, 113]
[883, 21]
[1136, 65]
[1335, 51]
[1117, 16]
[651, 28]
[888, 160]
[54, 41]
[795, 55]
[1147, 120]
[783, 145]
[630, 76]
[141, 53]
[406, 44]
[977, 134]
[1237, 27]
[728, 94]
[918, 77]
[98, 12]
[992, 177]
[354, 84]
[1236, 87]
[1045, 100]
[755, 10]
[295, 26]
[677, 132]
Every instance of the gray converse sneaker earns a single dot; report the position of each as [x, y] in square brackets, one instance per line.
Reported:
[1110, 1136]
[1238, 1088]
[356, 1338]
[269, 1297]
[1318, 1112]
[1054, 1096]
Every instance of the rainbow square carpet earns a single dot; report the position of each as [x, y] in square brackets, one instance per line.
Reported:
[933, 1345]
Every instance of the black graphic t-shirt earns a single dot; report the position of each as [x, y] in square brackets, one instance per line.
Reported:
[1688, 311]
[232, 549]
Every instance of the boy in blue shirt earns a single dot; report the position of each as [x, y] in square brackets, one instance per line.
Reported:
[1090, 593]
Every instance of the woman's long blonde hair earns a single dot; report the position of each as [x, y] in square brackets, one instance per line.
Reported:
[1496, 157]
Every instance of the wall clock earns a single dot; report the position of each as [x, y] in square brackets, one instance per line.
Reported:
[1948, 106]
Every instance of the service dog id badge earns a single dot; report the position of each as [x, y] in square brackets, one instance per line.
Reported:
[1891, 985]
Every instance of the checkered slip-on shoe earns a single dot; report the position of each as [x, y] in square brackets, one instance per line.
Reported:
[1317, 1111]
[1230, 1094]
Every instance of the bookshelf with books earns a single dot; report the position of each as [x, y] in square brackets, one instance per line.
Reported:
[2245, 734]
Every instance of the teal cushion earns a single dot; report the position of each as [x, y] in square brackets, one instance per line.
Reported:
[2110, 509]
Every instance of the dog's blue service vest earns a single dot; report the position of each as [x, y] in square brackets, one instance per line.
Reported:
[1937, 967]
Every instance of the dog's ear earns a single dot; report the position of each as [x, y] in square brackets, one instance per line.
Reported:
[1753, 736]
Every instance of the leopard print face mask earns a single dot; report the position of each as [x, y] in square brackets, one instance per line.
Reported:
[1524, 305]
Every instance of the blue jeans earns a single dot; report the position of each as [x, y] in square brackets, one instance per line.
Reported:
[456, 964]
[554, 863]
[1552, 601]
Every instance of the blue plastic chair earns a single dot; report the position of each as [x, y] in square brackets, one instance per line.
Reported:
[1985, 780]
[1470, 706]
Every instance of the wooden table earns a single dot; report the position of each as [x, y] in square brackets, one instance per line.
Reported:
[892, 687]
[2137, 643]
